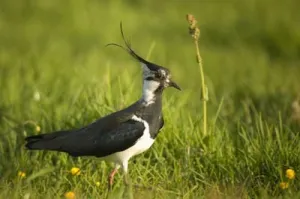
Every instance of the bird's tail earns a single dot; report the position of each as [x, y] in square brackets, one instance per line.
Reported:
[51, 141]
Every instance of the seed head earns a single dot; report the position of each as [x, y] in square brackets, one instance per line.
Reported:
[193, 29]
[190, 18]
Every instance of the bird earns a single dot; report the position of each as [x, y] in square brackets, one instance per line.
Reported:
[120, 135]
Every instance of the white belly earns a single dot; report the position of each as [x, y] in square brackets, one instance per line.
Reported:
[142, 144]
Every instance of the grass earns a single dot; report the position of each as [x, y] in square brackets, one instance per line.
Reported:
[251, 57]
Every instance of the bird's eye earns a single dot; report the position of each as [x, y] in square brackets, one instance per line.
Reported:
[150, 78]
[158, 75]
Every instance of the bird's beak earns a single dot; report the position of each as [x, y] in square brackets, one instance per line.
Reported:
[173, 84]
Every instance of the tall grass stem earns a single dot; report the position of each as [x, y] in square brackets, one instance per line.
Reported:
[195, 33]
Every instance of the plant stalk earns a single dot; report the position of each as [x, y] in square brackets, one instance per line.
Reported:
[204, 94]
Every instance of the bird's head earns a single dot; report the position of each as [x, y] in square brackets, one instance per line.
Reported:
[155, 78]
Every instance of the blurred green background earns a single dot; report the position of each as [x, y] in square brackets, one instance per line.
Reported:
[56, 72]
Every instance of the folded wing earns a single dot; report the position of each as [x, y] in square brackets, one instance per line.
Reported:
[89, 141]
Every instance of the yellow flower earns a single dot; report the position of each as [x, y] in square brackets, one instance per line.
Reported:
[70, 195]
[75, 171]
[98, 184]
[37, 128]
[21, 174]
[290, 174]
[284, 185]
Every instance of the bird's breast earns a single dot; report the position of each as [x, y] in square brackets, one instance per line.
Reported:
[152, 115]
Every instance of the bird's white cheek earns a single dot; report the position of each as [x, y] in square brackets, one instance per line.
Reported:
[150, 85]
[149, 89]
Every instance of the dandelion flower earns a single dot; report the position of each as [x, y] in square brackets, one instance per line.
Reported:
[284, 185]
[70, 195]
[37, 128]
[98, 184]
[290, 174]
[21, 174]
[75, 171]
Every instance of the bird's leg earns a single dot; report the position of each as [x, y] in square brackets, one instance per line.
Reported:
[111, 178]
[125, 170]
[126, 179]
[128, 193]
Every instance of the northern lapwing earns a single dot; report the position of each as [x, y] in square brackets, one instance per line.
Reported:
[120, 135]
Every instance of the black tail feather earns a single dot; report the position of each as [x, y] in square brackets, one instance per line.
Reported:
[51, 141]
[33, 138]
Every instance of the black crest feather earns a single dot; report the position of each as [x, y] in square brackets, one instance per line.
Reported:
[128, 48]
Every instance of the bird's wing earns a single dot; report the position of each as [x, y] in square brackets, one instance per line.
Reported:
[112, 133]
[94, 143]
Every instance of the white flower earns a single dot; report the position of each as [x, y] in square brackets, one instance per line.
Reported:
[37, 96]
[27, 196]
